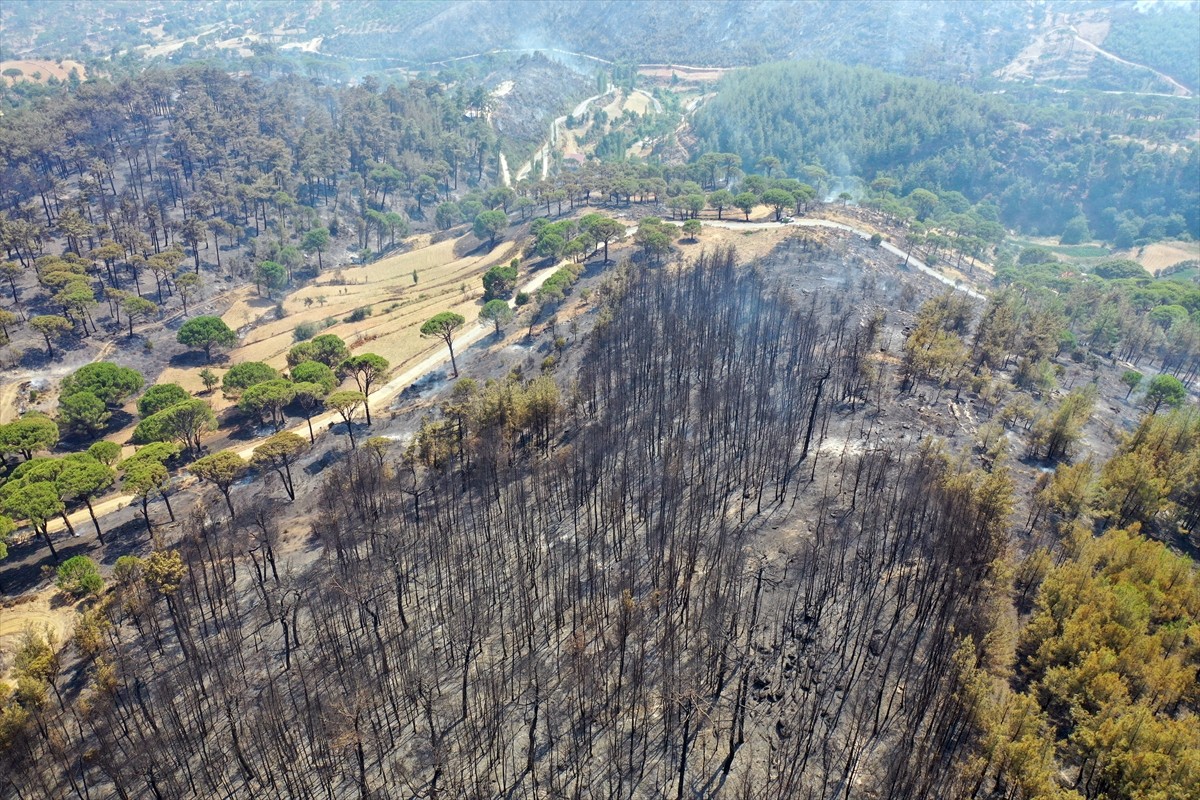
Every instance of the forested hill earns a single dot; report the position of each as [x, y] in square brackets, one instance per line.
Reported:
[946, 40]
[1133, 170]
[1167, 40]
[1148, 47]
[928, 37]
[226, 147]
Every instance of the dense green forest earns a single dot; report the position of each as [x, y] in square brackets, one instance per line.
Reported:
[1165, 39]
[294, 135]
[1042, 160]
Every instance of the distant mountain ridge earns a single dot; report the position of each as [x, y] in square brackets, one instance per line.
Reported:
[949, 41]
[1147, 47]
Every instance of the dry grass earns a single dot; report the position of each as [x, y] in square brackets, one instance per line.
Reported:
[45, 69]
[750, 244]
[37, 611]
[1161, 254]
[445, 282]
[637, 103]
[398, 306]
[613, 109]
[1153, 257]
[684, 74]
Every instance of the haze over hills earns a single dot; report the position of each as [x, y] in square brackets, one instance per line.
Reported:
[1147, 46]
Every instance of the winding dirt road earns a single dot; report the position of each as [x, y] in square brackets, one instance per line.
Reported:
[1180, 89]
[543, 153]
[913, 261]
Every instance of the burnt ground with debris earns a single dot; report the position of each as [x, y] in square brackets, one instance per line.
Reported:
[542, 90]
[802, 264]
[872, 279]
[841, 659]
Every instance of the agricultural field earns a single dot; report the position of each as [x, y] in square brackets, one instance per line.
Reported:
[386, 288]
[1154, 256]
[40, 70]
[1160, 255]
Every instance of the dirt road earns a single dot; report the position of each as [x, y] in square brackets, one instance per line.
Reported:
[542, 154]
[379, 399]
[1180, 89]
[913, 261]
[473, 332]
[505, 178]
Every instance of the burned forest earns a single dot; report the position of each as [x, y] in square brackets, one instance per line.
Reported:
[663, 582]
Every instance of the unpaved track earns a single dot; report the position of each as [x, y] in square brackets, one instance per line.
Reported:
[8, 401]
[40, 611]
[379, 400]
[651, 98]
[543, 152]
[10, 389]
[438, 356]
[1180, 89]
[505, 178]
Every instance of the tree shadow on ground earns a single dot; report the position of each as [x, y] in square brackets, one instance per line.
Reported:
[194, 359]
[470, 246]
[123, 540]
[261, 301]
[249, 432]
[29, 563]
[327, 460]
[36, 358]
[118, 420]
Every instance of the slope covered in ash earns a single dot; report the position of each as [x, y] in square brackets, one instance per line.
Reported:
[658, 580]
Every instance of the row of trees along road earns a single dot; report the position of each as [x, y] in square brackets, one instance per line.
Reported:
[171, 429]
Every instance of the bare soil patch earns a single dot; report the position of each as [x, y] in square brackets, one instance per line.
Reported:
[40, 71]
[1094, 28]
[1161, 254]
[41, 611]
[666, 74]
[750, 244]
[637, 102]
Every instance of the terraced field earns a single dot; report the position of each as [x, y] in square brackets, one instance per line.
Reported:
[445, 281]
